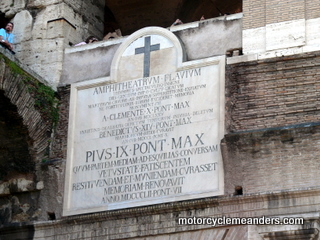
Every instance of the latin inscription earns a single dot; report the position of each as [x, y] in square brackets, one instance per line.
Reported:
[150, 138]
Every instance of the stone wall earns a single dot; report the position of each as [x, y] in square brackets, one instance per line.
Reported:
[162, 221]
[276, 167]
[273, 124]
[43, 29]
[270, 151]
[271, 160]
[213, 37]
[30, 106]
[272, 121]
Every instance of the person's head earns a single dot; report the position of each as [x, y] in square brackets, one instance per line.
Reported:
[91, 39]
[9, 27]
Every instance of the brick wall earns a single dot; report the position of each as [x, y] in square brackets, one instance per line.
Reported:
[281, 11]
[259, 13]
[273, 93]
[312, 9]
[27, 108]
[254, 14]
[272, 160]
[273, 115]
[59, 142]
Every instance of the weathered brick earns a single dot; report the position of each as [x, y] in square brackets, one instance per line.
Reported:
[273, 92]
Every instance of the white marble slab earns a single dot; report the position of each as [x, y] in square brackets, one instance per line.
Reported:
[285, 34]
[135, 140]
[254, 40]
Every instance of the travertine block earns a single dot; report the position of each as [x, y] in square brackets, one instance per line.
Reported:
[42, 3]
[11, 7]
[23, 26]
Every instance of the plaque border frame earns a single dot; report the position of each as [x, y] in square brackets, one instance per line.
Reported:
[75, 87]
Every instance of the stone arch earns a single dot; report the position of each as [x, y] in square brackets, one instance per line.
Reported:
[166, 34]
[14, 148]
[21, 105]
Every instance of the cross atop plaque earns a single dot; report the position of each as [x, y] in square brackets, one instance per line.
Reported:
[150, 51]
[146, 50]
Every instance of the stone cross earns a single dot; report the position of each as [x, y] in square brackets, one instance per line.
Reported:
[146, 50]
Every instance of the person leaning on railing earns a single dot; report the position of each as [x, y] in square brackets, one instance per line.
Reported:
[6, 36]
[90, 39]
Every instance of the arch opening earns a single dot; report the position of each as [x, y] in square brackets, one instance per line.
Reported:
[15, 157]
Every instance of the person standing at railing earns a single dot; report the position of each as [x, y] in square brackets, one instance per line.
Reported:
[6, 36]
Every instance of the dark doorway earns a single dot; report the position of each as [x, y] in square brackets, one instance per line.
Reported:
[132, 15]
[15, 157]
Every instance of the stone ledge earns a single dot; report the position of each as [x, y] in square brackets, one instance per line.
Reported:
[212, 202]
[288, 127]
[162, 218]
[19, 185]
[25, 68]
[273, 56]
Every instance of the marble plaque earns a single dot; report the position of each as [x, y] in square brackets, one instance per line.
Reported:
[285, 34]
[150, 138]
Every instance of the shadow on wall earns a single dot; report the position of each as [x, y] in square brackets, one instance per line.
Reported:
[129, 17]
[15, 157]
